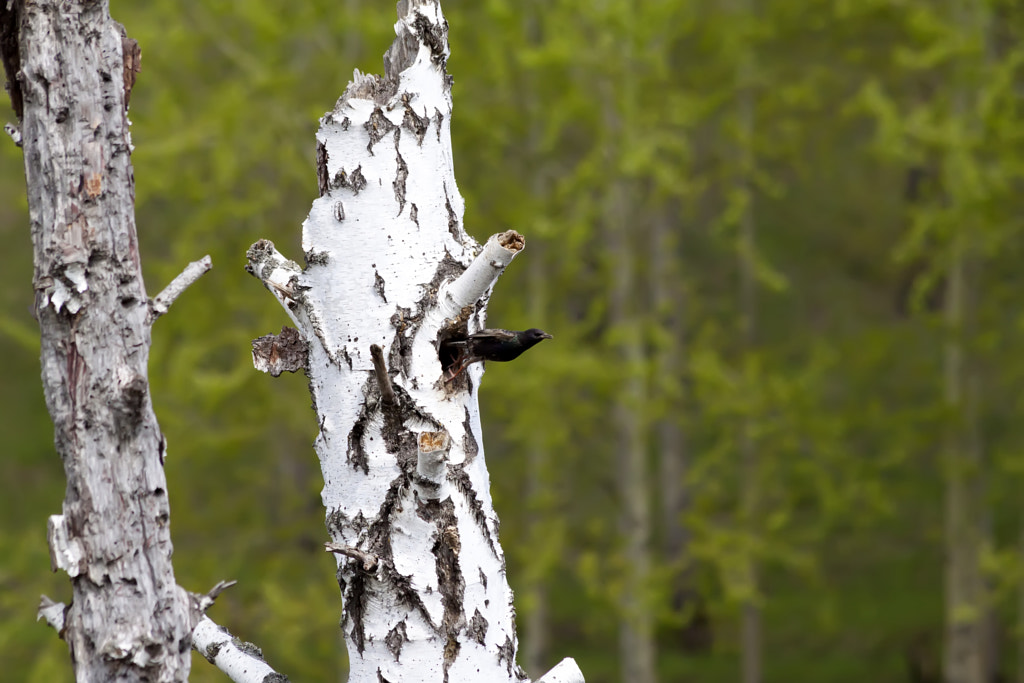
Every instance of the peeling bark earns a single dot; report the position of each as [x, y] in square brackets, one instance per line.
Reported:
[128, 620]
[390, 274]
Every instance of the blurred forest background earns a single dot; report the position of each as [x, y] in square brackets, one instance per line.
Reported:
[777, 436]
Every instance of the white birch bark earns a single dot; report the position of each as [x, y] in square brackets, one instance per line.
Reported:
[73, 69]
[406, 488]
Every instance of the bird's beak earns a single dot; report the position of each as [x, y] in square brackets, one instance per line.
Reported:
[545, 335]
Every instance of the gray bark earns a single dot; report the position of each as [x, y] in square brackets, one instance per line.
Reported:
[128, 620]
[969, 647]
[669, 314]
[636, 627]
[964, 661]
[537, 633]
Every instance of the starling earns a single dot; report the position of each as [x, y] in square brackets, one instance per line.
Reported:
[496, 345]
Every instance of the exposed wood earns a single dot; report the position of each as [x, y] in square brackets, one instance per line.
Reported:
[390, 265]
[128, 620]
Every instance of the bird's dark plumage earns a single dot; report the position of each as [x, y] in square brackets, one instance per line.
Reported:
[496, 345]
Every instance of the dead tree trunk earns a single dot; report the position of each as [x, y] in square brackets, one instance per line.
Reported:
[391, 274]
[71, 70]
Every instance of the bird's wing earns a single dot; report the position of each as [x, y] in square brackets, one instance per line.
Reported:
[502, 335]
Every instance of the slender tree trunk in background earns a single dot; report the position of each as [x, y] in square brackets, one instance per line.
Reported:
[669, 316]
[352, 47]
[964, 660]
[636, 626]
[636, 631]
[536, 633]
[969, 651]
[128, 620]
[750, 619]
[1020, 609]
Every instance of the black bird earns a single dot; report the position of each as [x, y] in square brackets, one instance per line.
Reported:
[496, 345]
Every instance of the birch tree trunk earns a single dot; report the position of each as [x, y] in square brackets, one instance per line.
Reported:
[389, 265]
[72, 73]
[968, 617]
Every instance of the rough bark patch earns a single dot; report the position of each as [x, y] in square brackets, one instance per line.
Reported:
[478, 627]
[434, 37]
[356, 455]
[377, 126]
[396, 638]
[322, 177]
[453, 220]
[450, 582]
[416, 124]
[400, 177]
[354, 181]
[460, 479]
[469, 443]
[277, 353]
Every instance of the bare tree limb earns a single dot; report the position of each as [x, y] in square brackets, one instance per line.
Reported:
[483, 272]
[53, 613]
[159, 304]
[369, 560]
[204, 601]
[387, 392]
[14, 131]
[242, 662]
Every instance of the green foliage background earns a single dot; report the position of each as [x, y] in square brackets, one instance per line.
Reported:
[559, 105]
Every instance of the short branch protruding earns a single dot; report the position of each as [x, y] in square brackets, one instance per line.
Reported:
[278, 274]
[277, 353]
[387, 392]
[430, 459]
[242, 662]
[53, 613]
[14, 131]
[369, 560]
[205, 600]
[162, 301]
[490, 263]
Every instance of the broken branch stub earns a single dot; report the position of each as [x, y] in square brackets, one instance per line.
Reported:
[390, 269]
